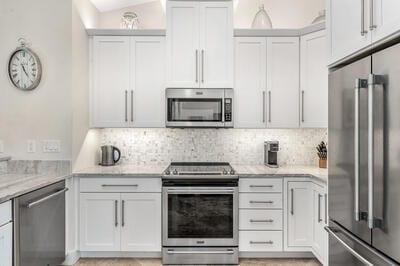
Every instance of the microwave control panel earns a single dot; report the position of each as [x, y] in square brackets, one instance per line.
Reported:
[228, 110]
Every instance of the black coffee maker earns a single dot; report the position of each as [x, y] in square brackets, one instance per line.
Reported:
[271, 149]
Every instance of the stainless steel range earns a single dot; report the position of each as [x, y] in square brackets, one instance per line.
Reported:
[200, 214]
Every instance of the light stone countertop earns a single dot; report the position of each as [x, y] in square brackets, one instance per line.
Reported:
[246, 171]
[14, 185]
[124, 170]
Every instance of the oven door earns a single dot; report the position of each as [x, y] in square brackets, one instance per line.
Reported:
[195, 108]
[200, 216]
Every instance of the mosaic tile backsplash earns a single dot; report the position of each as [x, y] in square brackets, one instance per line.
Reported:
[240, 146]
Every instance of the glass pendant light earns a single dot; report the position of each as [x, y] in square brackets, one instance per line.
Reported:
[320, 18]
[261, 20]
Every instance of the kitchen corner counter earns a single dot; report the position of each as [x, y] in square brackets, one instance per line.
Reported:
[124, 170]
[289, 171]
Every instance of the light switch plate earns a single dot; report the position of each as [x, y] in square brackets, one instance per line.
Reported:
[51, 146]
[31, 146]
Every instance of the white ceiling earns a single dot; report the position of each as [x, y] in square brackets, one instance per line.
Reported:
[108, 5]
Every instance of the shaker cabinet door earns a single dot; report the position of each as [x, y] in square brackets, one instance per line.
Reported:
[141, 222]
[6, 245]
[250, 82]
[147, 96]
[386, 19]
[314, 81]
[110, 82]
[183, 41]
[320, 236]
[283, 82]
[100, 221]
[216, 44]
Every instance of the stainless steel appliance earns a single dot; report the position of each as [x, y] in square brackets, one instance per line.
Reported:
[364, 170]
[108, 157]
[200, 214]
[271, 149]
[199, 107]
[39, 233]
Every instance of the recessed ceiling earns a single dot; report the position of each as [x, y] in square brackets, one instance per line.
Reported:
[108, 5]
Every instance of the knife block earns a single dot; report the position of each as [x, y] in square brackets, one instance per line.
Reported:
[323, 163]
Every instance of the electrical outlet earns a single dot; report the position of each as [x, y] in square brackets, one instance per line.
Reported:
[51, 146]
[1, 146]
[31, 146]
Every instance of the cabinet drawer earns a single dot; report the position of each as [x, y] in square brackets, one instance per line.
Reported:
[260, 185]
[5, 212]
[260, 241]
[260, 200]
[260, 220]
[123, 185]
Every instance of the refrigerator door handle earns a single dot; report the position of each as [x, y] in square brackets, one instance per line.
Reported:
[347, 247]
[360, 83]
[372, 81]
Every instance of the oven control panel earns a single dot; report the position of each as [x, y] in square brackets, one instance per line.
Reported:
[228, 109]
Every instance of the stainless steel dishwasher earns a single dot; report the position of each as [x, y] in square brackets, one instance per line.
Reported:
[40, 227]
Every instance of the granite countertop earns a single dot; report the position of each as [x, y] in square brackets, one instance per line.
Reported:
[14, 185]
[124, 170]
[292, 171]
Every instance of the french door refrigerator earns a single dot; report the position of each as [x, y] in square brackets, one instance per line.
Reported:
[364, 161]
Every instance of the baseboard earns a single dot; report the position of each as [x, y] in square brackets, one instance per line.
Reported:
[276, 255]
[71, 258]
[119, 254]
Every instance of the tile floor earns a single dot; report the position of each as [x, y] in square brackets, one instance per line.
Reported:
[157, 262]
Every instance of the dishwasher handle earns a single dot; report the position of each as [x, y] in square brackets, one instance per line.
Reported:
[39, 201]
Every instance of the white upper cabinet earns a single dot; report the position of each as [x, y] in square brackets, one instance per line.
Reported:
[216, 43]
[110, 83]
[128, 81]
[148, 82]
[250, 81]
[354, 25]
[283, 82]
[199, 44]
[313, 81]
[386, 18]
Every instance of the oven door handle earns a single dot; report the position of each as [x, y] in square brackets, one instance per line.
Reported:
[201, 252]
[199, 191]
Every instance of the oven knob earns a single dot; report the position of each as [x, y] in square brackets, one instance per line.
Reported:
[175, 172]
[167, 172]
[232, 172]
[224, 172]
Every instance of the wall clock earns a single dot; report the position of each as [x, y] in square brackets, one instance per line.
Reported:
[24, 68]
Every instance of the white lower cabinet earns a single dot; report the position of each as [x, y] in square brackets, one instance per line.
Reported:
[141, 222]
[260, 241]
[118, 220]
[6, 245]
[320, 220]
[99, 222]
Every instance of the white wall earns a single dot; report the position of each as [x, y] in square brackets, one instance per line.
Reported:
[88, 13]
[44, 113]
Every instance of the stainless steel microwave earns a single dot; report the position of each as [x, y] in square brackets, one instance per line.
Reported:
[199, 108]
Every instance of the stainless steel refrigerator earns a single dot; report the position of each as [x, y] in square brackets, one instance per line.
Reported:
[364, 161]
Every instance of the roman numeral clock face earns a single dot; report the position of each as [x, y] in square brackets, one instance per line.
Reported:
[24, 69]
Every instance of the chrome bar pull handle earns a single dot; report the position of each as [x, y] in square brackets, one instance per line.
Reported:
[123, 213]
[116, 213]
[263, 96]
[197, 66]
[372, 81]
[202, 66]
[302, 106]
[326, 208]
[319, 208]
[261, 242]
[39, 201]
[126, 106]
[131, 105]
[359, 83]
[269, 106]
[261, 201]
[291, 201]
[372, 25]
[363, 31]
[261, 221]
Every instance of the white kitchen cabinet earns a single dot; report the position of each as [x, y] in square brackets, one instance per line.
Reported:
[313, 81]
[386, 18]
[128, 81]
[299, 213]
[147, 81]
[283, 82]
[250, 82]
[110, 84]
[100, 217]
[199, 44]
[141, 222]
[320, 220]
[6, 244]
